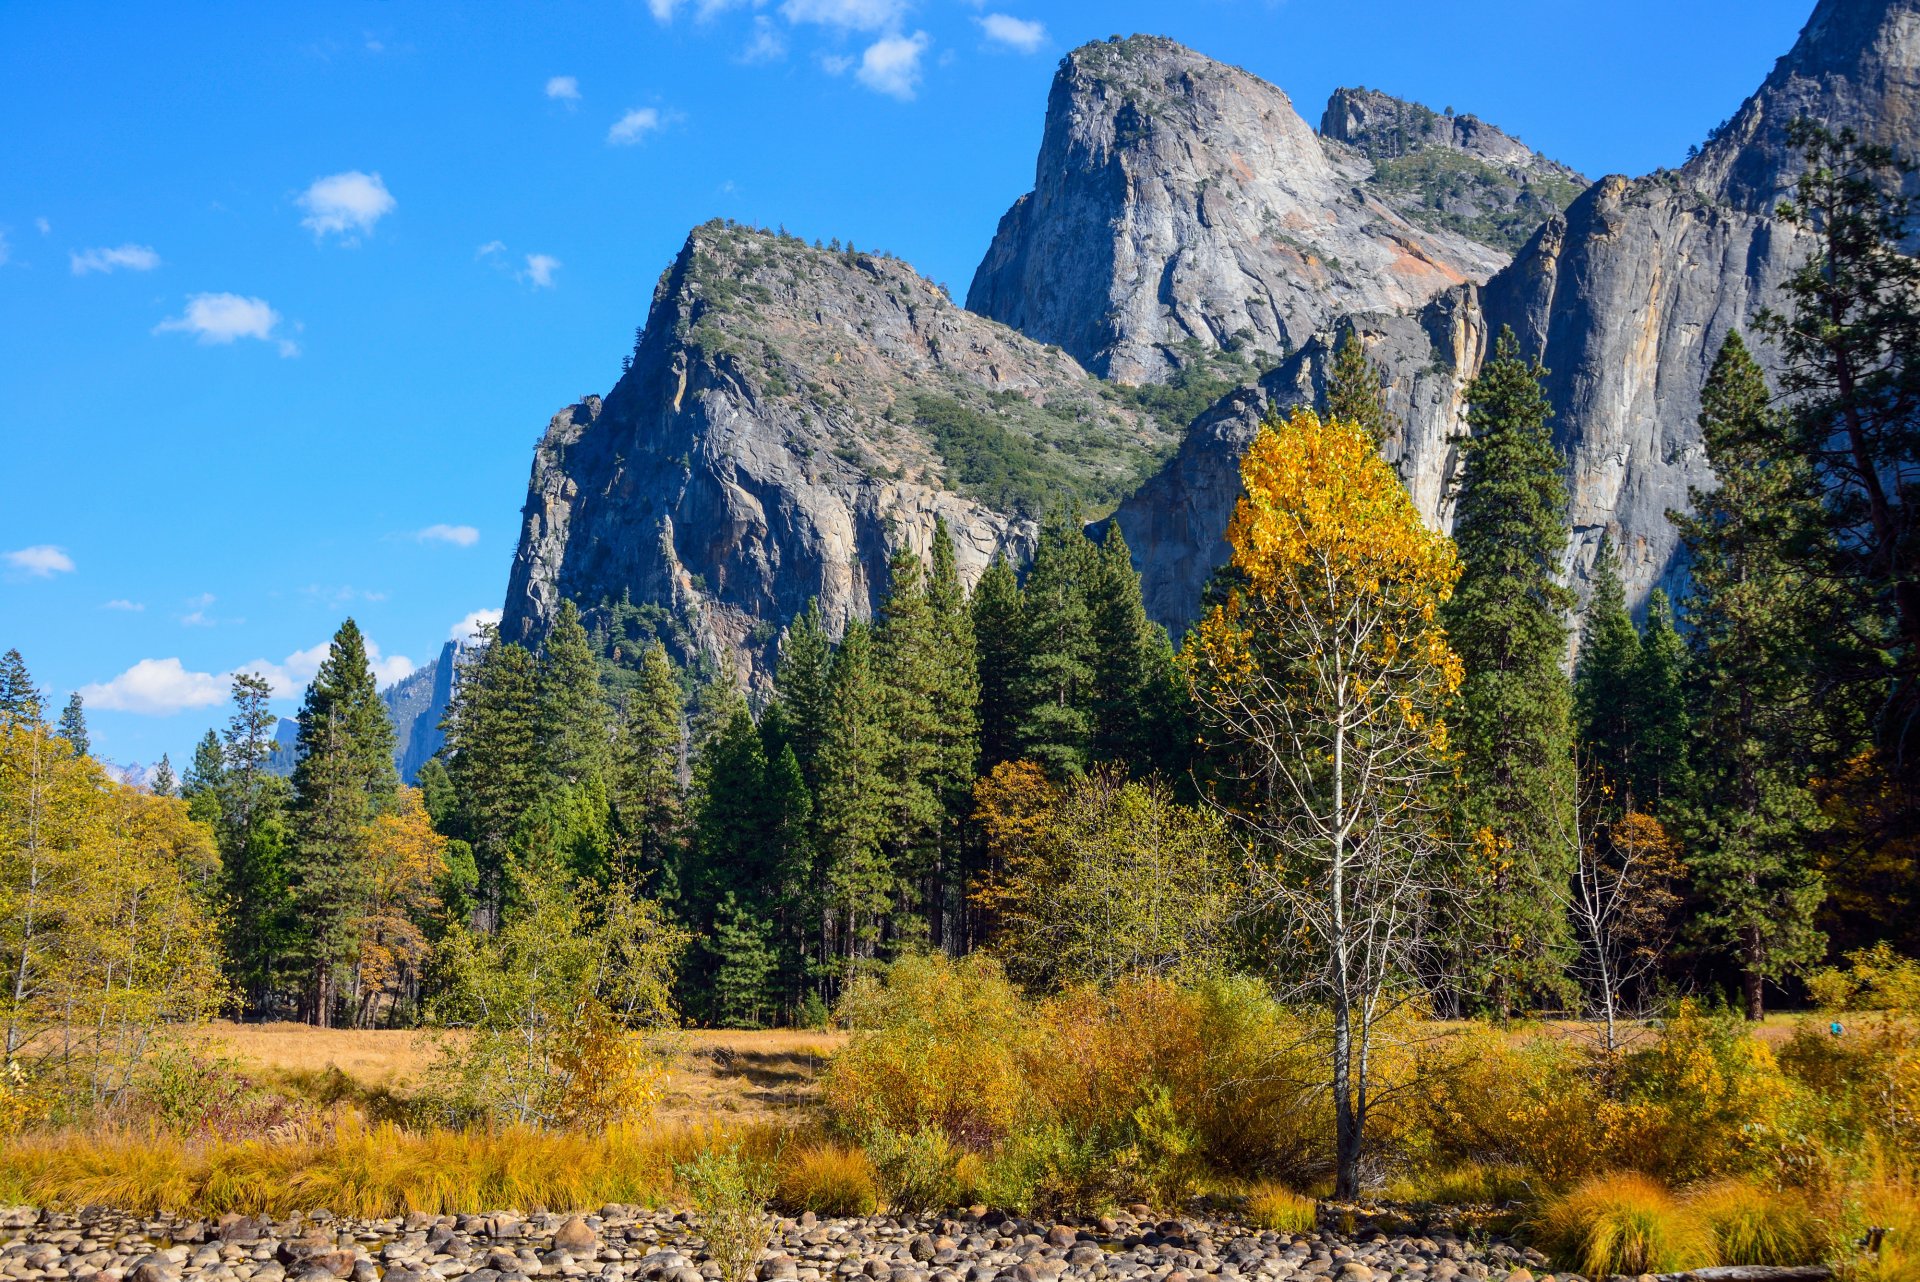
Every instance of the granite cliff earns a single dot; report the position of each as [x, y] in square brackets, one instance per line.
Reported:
[792, 416]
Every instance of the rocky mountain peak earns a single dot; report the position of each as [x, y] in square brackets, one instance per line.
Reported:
[1855, 66]
[793, 415]
[1179, 200]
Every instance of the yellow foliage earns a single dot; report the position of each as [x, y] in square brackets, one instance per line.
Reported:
[1625, 1223]
[827, 1178]
[1753, 1225]
[404, 859]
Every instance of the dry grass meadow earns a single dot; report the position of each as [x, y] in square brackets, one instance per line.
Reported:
[717, 1075]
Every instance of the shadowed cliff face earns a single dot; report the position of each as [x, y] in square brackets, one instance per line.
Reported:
[1177, 198]
[792, 417]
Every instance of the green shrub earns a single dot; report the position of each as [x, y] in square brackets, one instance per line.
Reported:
[729, 1194]
[916, 1168]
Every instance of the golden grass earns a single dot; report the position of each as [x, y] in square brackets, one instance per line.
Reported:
[827, 1178]
[1278, 1209]
[360, 1170]
[1752, 1225]
[1625, 1223]
[1464, 1184]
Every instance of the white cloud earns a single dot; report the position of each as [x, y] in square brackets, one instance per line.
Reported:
[564, 88]
[291, 675]
[849, 15]
[471, 624]
[222, 318]
[135, 258]
[464, 536]
[156, 688]
[635, 125]
[491, 248]
[662, 10]
[766, 44]
[540, 270]
[121, 603]
[891, 65]
[1023, 34]
[41, 561]
[46, 228]
[345, 205]
[388, 669]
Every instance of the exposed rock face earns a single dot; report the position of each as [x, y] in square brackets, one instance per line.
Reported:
[1179, 201]
[1626, 300]
[415, 704]
[1176, 522]
[792, 417]
[1448, 172]
[1855, 66]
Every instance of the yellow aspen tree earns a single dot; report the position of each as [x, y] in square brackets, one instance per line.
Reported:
[1321, 677]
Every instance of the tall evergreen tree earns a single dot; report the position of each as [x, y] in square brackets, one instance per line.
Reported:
[1660, 758]
[73, 726]
[20, 699]
[649, 753]
[1605, 697]
[853, 805]
[1053, 687]
[1356, 392]
[955, 697]
[742, 964]
[493, 758]
[204, 781]
[998, 629]
[1137, 701]
[574, 738]
[907, 665]
[253, 840]
[1508, 622]
[163, 782]
[343, 777]
[1752, 608]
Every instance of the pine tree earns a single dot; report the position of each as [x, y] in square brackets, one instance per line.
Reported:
[1507, 621]
[1137, 700]
[1356, 393]
[343, 778]
[437, 795]
[253, 840]
[743, 965]
[997, 631]
[1752, 608]
[1660, 756]
[1054, 683]
[649, 755]
[853, 803]
[1605, 700]
[956, 748]
[73, 726]
[20, 700]
[204, 782]
[493, 758]
[730, 825]
[907, 666]
[805, 682]
[573, 722]
[163, 783]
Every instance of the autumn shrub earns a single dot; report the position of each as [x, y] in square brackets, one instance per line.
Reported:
[936, 1043]
[1504, 1100]
[1278, 1209]
[1875, 978]
[917, 1168]
[1888, 1213]
[729, 1193]
[1624, 1223]
[1756, 1225]
[1704, 1098]
[828, 1178]
[185, 1092]
[1863, 1084]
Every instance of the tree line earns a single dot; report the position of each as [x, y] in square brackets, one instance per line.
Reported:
[1702, 797]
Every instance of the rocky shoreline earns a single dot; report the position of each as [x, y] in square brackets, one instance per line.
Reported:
[636, 1244]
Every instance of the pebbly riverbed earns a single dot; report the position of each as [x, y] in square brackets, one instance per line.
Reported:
[637, 1244]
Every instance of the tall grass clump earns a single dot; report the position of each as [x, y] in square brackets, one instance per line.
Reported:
[1624, 1223]
[1753, 1225]
[828, 1178]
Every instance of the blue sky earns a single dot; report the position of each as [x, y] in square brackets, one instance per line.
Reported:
[287, 292]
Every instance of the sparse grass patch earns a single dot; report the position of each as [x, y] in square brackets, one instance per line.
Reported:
[1465, 1184]
[1278, 1209]
[1624, 1223]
